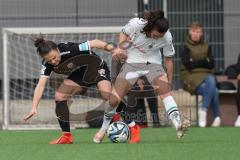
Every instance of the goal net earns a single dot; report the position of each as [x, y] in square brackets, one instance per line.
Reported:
[21, 73]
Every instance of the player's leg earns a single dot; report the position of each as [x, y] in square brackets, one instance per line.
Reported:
[159, 81]
[153, 106]
[66, 90]
[152, 101]
[114, 99]
[116, 66]
[163, 89]
[69, 87]
[105, 89]
[131, 116]
[120, 114]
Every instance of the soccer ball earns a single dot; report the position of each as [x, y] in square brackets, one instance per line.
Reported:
[118, 132]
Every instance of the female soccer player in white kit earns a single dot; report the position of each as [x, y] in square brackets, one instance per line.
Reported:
[144, 37]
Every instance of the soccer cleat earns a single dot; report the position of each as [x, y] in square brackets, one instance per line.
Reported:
[237, 122]
[98, 137]
[182, 129]
[216, 122]
[116, 117]
[181, 124]
[135, 134]
[202, 113]
[66, 138]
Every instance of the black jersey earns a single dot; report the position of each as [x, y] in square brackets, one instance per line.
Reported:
[69, 62]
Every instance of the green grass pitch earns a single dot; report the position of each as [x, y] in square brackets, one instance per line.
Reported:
[156, 143]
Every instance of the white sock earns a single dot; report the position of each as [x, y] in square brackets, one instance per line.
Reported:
[172, 111]
[108, 115]
[132, 124]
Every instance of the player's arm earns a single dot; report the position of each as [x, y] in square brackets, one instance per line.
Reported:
[169, 66]
[123, 37]
[38, 92]
[169, 52]
[45, 73]
[120, 50]
[96, 43]
[109, 47]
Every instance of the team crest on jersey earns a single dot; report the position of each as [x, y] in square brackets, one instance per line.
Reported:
[101, 72]
[43, 69]
[70, 65]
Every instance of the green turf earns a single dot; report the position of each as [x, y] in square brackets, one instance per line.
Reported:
[158, 143]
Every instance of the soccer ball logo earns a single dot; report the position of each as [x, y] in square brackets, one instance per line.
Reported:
[118, 132]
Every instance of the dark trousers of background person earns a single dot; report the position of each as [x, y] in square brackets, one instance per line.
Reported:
[238, 97]
[141, 110]
[134, 109]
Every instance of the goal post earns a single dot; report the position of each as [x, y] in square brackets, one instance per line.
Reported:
[21, 69]
[5, 82]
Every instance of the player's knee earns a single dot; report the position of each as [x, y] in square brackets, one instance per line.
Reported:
[113, 102]
[60, 96]
[105, 95]
[162, 79]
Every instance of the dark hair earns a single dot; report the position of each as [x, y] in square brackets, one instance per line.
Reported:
[44, 47]
[155, 20]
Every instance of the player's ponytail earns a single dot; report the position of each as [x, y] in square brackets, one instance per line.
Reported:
[43, 46]
[39, 41]
[155, 20]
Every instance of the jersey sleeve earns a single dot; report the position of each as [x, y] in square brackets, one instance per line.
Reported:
[45, 71]
[75, 48]
[84, 46]
[133, 26]
[168, 49]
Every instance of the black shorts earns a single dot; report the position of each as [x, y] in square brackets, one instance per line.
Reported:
[88, 77]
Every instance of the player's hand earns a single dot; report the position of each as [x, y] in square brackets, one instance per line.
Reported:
[120, 54]
[30, 114]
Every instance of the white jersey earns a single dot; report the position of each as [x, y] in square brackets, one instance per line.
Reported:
[145, 49]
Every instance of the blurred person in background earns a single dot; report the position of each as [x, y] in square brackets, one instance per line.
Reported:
[233, 72]
[142, 85]
[196, 73]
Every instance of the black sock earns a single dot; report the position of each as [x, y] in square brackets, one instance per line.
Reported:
[62, 113]
[237, 97]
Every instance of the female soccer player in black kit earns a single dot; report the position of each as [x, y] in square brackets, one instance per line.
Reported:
[64, 58]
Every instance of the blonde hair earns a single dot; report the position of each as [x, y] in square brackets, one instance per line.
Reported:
[195, 25]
